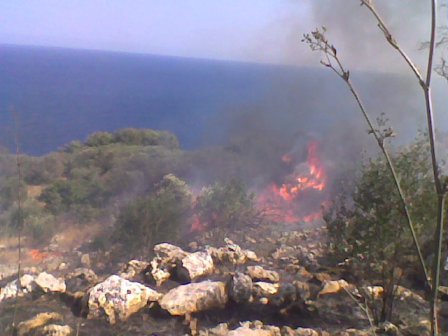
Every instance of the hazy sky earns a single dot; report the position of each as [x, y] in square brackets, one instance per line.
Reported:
[244, 30]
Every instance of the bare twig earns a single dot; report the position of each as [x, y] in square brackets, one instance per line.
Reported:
[364, 308]
[19, 213]
[439, 187]
[318, 42]
[392, 41]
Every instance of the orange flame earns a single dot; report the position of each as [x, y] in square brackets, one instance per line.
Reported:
[37, 255]
[197, 225]
[285, 202]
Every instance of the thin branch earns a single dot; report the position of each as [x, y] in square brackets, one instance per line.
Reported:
[19, 212]
[440, 188]
[392, 41]
[364, 309]
[318, 42]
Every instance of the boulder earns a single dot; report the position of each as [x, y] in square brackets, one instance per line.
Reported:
[159, 272]
[240, 288]
[387, 328]
[232, 253]
[195, 265]
[287, 331]
[221, 329]
[56, 330]
[258, 273]
[255, 328]
[166, 259]
[333, 286]
[264, 289]
[25, 327]
[118, 298]
[49, 283]
[169, 253]
[195, 297]
[13, 288]
[133, 268]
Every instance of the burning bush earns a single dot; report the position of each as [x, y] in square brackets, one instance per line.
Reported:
[158, 217]
[227, 205]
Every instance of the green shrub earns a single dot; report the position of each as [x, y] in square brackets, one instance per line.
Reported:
[369, 224]
[227, 205]
[156, 218]
[35, 222]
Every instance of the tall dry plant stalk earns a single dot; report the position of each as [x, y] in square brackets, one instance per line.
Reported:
[19, 212]
[318, 42]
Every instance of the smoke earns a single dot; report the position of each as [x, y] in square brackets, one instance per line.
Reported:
[352, 29]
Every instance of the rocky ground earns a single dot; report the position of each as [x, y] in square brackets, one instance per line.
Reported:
[257, 281]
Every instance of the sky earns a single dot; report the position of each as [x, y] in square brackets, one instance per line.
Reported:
[266, 31]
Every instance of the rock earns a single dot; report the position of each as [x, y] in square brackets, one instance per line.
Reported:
[169, 252]
[194, 266]
[321, 278]
[258, 273]
[443, 291]
[159, 273]
[255, 328]
[354, 332]
[221, 329]
[195, 297]
[24, 328]
[57, 330]
[167, 257]
[387, 328]
[374, 292]
[13, 289]
[422, 328]
[287, 331]
[118, 298]
[48, 283]
[85, 260]
[406, 294]
[62, 266]
[133, 268]
[193, 246]
[332, 287]
[265, 288]
[240, 288]
[232, 253]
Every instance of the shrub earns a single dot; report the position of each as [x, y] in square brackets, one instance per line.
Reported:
[36, 222]
[369, 228]
[157, 217]
[369, 222]
[227, 205]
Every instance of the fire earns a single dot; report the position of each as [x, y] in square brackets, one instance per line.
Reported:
[197, 225]
[302, 194]
[37, 255]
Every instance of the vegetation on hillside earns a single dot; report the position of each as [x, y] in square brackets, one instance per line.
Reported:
[133, 177]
